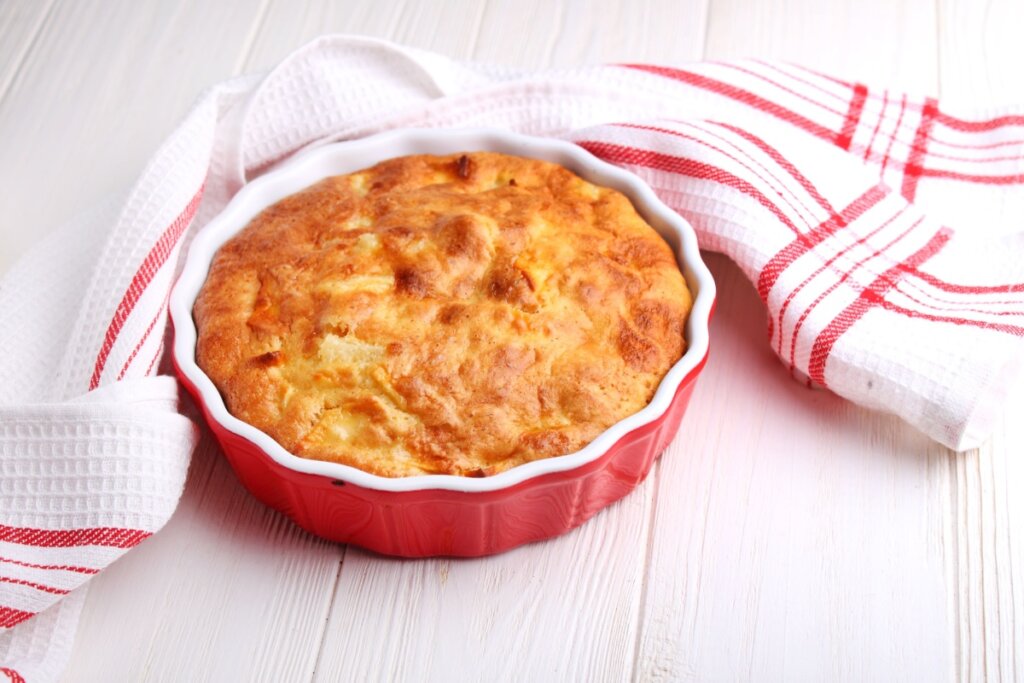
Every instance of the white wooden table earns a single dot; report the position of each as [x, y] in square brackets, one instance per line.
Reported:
[785, 535]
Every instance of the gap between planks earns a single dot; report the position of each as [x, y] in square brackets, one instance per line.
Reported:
[642, 605]
[330, 611]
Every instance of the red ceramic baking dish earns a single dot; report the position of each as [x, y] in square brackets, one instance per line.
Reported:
[444, 514]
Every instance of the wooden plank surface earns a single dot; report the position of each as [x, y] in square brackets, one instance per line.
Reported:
[892, 43]
[795, 535]
[979, 65]
[981, 52]
[784, 535]
[100, 87]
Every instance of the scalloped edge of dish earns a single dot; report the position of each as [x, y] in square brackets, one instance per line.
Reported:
[311, 165]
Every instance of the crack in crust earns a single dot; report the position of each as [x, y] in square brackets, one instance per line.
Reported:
[458, 314]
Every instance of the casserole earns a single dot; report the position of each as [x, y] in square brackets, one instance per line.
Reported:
[443, 514]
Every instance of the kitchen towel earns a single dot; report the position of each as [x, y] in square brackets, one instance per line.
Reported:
[881, 230]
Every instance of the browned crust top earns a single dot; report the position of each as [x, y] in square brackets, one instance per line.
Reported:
[453, 314]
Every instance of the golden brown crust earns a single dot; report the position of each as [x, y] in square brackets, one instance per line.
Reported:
[458, 315]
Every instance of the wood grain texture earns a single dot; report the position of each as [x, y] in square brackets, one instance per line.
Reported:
[784, 535]
[893, 43]
[981, 52]
[985, 528]
[527, 34]
[989, 523]
[97, 92]
[20, 24]
[559, 610]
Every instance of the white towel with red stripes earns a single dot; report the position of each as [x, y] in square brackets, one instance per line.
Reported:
[883, 233]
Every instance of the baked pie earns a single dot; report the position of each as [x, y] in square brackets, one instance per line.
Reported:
[456, 314]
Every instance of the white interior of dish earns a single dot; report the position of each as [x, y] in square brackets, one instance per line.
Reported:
[312, 165]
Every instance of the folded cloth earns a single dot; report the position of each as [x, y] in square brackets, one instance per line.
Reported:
[881, 231]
